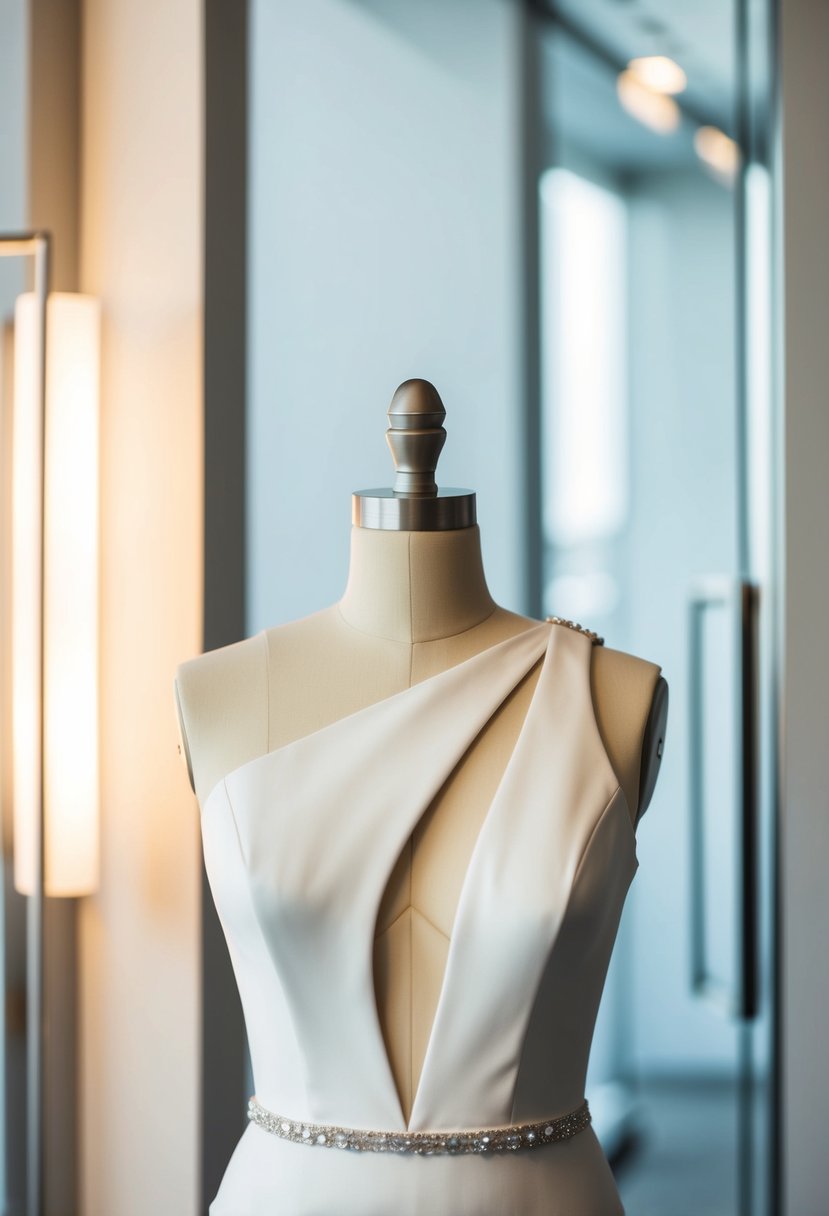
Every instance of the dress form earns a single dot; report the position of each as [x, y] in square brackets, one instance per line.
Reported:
[416, 602]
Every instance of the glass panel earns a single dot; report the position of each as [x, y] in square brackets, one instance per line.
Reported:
[640, 256]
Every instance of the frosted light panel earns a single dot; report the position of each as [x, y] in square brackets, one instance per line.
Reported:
[71, 789]
[584, 366]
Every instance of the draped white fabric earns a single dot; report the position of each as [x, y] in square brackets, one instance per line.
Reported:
[299, 844]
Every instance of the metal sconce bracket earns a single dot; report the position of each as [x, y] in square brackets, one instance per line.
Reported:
[38, 246]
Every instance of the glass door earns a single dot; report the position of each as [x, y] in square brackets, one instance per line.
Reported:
[656, 432]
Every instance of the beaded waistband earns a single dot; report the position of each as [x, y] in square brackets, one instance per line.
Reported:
[480, 1140]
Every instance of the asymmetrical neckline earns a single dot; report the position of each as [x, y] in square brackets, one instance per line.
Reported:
[457, 671]
[322, 820]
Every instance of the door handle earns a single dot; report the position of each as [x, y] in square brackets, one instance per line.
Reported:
[735, 994]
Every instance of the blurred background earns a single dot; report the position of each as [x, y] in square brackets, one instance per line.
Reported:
[567, 216]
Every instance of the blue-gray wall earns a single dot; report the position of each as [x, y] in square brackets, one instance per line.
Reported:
[383, 244]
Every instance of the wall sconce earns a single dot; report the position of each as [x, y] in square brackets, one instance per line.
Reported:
[54, 609]
[71, 558]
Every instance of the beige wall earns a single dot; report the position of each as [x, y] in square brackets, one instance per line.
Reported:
[139, 937]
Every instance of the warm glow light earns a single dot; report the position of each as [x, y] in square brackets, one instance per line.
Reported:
[659, 73]
[652, 109]
[718, 151]
[71, 793]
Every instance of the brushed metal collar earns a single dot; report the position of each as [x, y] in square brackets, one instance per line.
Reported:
[383, 508]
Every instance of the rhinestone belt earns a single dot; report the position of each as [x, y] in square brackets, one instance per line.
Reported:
[480, 1140]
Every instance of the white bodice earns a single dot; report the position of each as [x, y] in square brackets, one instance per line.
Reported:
[299, 845]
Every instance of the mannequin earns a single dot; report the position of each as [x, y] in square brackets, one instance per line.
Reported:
[416, 602]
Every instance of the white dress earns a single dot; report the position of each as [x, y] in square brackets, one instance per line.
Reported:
[299, 844]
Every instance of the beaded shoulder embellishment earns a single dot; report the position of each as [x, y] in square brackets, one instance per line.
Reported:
[560, 620]
[426, 1144]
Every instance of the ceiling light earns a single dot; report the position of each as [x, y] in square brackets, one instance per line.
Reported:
[718, 151]
[659, 73]
[653, 110]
